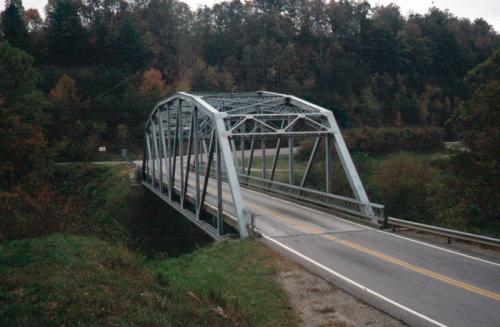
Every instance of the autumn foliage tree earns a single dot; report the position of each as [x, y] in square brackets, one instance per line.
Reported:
[24, 151]
[23, 146]
[26, 162]
[64, 92]
[403, 184]
[152, 84]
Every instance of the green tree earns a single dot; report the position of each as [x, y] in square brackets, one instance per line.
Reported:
[18, 85]
[67, 39]
[13, 26]
[129, 47]
[478, 125]
[23, 147]
[205, 77]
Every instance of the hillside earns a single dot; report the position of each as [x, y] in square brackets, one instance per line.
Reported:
[70, 280]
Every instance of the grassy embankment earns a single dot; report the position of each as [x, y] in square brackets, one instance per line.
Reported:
[128, 260]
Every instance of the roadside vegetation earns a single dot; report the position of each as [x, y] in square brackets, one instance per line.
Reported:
[118, 256]
[88, 74]
[73, 280]
[426, 187]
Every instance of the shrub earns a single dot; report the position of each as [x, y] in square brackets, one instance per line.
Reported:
[28, 215]
[387, 139]
[404, 185]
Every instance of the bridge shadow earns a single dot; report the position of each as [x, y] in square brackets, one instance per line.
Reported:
[159, 231]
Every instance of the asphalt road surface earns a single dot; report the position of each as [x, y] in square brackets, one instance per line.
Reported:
[419, 283]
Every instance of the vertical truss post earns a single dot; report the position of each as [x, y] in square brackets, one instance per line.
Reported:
[144, 156]
[328, 168]
[250, 159]
[169, 153]
[207, 171]
[166, 164]
[263, 146]
[233, 148]
[220, 215]
[196, 158]
[189, 150]
[290, 157]
[205, 149]
[157, 153]
[275, 160]
[152, 165]
[148, 144]
[175, 152]
[311, 161]
[181, 150]
[242, 145]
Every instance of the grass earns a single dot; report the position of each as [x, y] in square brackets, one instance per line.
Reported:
[235, 275]
[69, 280]
[80, 281]
[121, 259]
[101, 197]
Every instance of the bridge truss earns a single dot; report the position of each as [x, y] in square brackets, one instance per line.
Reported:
[200, 149]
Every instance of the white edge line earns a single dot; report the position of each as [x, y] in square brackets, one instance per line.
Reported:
[384, 232]
[441, 248]
[379, 231]
[350, 281]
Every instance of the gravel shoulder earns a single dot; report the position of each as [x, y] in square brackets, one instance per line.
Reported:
[320, 303]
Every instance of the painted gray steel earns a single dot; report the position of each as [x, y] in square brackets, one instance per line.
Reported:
[178, 125]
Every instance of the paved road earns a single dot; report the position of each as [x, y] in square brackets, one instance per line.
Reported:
[419, 283]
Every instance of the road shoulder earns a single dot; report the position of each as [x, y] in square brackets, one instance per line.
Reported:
[320, 303]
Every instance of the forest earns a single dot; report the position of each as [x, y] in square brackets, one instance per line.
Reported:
[87, 73]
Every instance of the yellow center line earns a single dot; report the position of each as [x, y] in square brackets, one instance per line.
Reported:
[429, 273]
[314, 230]
[401, 263]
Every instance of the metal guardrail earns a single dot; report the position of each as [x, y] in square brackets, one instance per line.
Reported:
[365, 211]
[333, 201]
[450, 233]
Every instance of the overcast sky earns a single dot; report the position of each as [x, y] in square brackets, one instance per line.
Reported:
[472, 9]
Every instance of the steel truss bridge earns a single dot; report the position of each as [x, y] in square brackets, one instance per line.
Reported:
[220, 158]
[195, 143]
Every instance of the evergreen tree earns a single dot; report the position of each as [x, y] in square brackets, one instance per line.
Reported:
[129, 47]
[67, 39]
[13, 26]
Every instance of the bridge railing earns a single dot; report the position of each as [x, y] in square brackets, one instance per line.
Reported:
[319, 198]
[327, 200]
